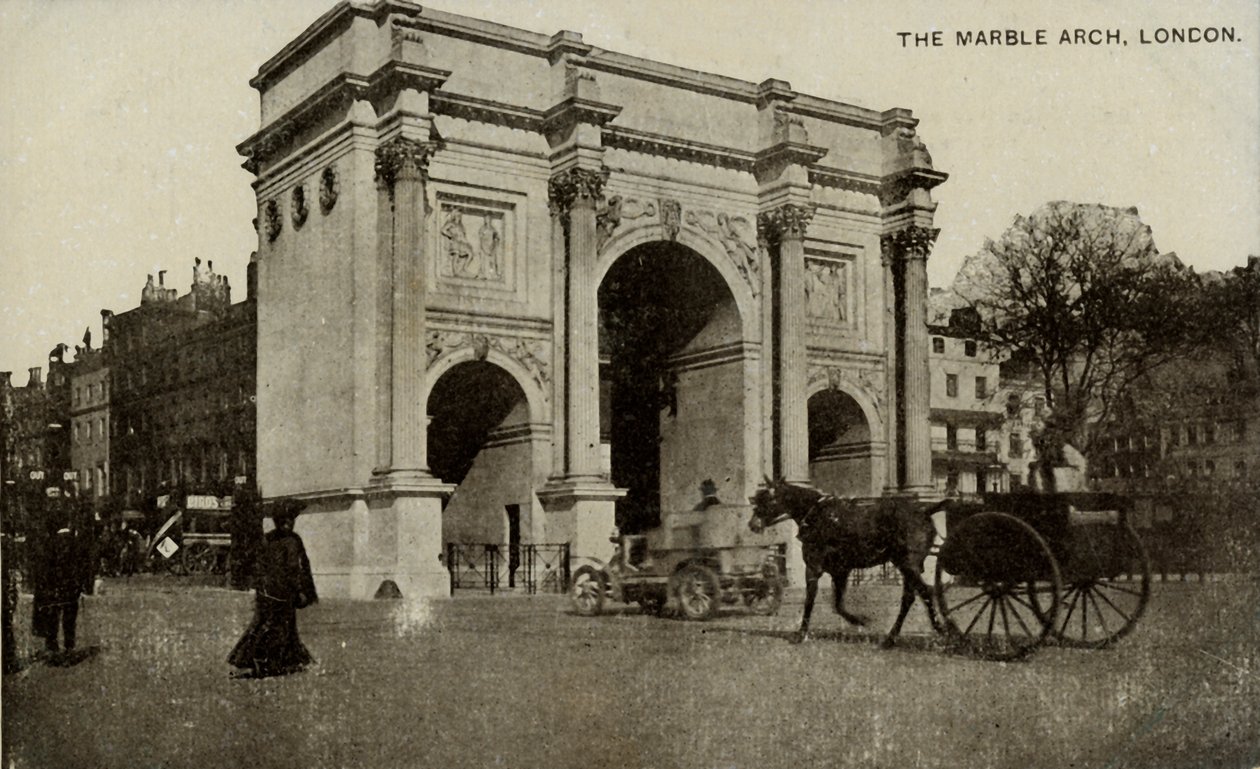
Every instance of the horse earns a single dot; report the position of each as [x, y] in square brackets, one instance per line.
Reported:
[839, 535]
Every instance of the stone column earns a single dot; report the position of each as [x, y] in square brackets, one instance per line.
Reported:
[909, 248]
[401, 169]
[786, 225]
[574, 193]
[892, 417]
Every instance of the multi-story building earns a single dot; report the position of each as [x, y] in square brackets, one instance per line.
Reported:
[89, 420]
[971, 437]
[37, 426]
[181, 388]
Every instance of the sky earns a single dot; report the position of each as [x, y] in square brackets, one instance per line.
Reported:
[119, 121]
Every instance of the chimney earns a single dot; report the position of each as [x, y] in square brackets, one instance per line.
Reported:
[6, 379]
[106, 316]
[162, 278]
[36, 379]
[251, 277]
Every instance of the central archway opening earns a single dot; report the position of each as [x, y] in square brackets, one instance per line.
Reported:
[479, 439]
[671, 381]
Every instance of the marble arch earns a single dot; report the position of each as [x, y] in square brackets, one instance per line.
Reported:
[475, 184]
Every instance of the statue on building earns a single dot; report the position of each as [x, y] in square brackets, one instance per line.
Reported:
[824, 291]
[489, 240]
[463, 259]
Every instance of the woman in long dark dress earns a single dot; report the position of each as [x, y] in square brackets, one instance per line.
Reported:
[271, 645]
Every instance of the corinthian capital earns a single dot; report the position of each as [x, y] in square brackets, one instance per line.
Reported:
[913, 242]
[788, 221]
[567, 187]
[401, 158]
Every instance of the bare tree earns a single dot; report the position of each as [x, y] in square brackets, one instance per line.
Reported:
[1231, 317]
[1081, 293]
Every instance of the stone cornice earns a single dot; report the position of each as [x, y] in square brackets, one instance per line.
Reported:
[788, 153]
[324, 29]
[790, 220]
[576, 110]
[913, 242]
[895, 188]
[395, 76]
[486, 111]
[682, 149]
[839, 178]
[334, 95]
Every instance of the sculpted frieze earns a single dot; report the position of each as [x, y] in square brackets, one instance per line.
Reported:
[738, 237]
[531, 354]
[869, 382]
[671, 217]
[610, 213]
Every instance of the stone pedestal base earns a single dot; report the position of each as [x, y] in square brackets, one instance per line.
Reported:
[356, 544]
[583, 513]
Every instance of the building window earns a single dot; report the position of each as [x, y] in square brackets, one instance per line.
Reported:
[1209, 433]
[951, 437]
[1240, 468]
[982, 387]
[951, 482]
[1209, 468]
[1174, 435]
[969, 348]
[951, 385]
[1240, 430]
[1017, 445]
[982, 440]
[938, 345]
[1192, 435]
[1039, 405]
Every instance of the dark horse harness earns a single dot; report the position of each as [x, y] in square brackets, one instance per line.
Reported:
[804, 521]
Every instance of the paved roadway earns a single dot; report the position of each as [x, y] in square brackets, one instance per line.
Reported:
[520, 682]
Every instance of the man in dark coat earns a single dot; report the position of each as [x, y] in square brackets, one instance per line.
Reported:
[62, 573]
[283, 584]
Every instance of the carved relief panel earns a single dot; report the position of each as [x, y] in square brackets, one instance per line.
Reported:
[474, 245]
[829, 290]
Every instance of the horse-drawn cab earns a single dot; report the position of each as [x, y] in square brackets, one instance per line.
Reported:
[701, 560]
[1012, 571]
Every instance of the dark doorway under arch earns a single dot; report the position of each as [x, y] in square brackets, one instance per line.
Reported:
[658, 304]
[840, 449]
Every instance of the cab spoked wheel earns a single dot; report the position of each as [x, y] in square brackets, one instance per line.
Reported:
[699, 592]
[587, 590]
[997, 586]
[1096, 611]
